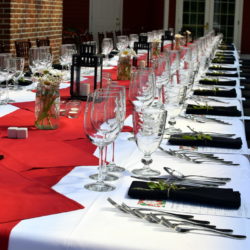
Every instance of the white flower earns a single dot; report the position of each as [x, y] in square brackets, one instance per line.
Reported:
[127, 52]
[156, 40]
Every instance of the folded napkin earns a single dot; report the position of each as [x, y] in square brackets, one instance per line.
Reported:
[222, 61]
[187, 139]
[218, 82]
[213, 110]
[222, 74]
[24, 82]
[221, 93]
[219, 197]
[221, 68]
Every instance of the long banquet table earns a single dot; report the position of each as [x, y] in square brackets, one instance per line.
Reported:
[45, 206]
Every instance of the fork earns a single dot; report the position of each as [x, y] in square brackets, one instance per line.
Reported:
[125, 210]
[182, 229]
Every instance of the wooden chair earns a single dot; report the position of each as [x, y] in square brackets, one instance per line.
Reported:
[42, 42]
[2, 47]
[22, 49]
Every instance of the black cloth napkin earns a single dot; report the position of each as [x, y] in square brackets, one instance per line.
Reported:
[221, 68]
[222, 61]
[221, 93]
[222, 74]
[24, 82]
[218, 82]
[216, 142]
[213, 110]
[219, 197]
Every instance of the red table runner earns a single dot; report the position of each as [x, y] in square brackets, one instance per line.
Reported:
[31, 166]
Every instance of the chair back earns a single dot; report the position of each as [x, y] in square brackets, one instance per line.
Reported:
[42, 42]
[22, 48]
[2, 47]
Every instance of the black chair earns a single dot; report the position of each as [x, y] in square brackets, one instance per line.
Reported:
[42, 42]
[110, 35]
[2, 47]
[23, 48]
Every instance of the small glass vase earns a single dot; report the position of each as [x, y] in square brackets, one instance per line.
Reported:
[156, 51]
[47, 106]
[124, 68]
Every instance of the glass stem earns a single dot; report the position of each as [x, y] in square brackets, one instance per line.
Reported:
[113, 151]
[147, 160]
[101, 164]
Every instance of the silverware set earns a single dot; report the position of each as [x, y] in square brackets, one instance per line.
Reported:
[180, 223]
[203, 119]
[197, 157]
[177, 178]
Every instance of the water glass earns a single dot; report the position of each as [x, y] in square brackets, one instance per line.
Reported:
[148, 126]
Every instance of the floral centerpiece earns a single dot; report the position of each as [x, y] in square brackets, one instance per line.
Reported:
[47, 105]
[156, 48]
[178, 38]
[124, 64]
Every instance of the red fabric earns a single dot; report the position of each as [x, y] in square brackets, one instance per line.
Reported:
[23, 198]
[31, 166]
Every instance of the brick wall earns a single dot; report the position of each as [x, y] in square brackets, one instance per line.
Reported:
[31, 19]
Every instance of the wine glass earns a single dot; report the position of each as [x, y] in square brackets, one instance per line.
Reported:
[107, 46]
[161, 66]
[16, 67]
[4, 76]
[45, 58]
[121, 91]
[124, 41]
[66, 52]
[148, 126]
[142, 87]
[101, 126]
[132, 39]
[34, 59]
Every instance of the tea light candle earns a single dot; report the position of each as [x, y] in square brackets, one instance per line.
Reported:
[84, 89]
[73, 113]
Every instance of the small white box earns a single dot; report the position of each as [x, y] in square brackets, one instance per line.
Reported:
[12, 132]
[22, 133]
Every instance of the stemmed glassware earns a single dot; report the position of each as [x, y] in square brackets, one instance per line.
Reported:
[122, 42]
[34, 59]
[101, 125]
[4, 62]
[16, 67]
[161, 66]
[132, 39]
[142, 87]
[173, 91]
[121, 91]
[148, 125]
[107, 46]
[66, 52]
